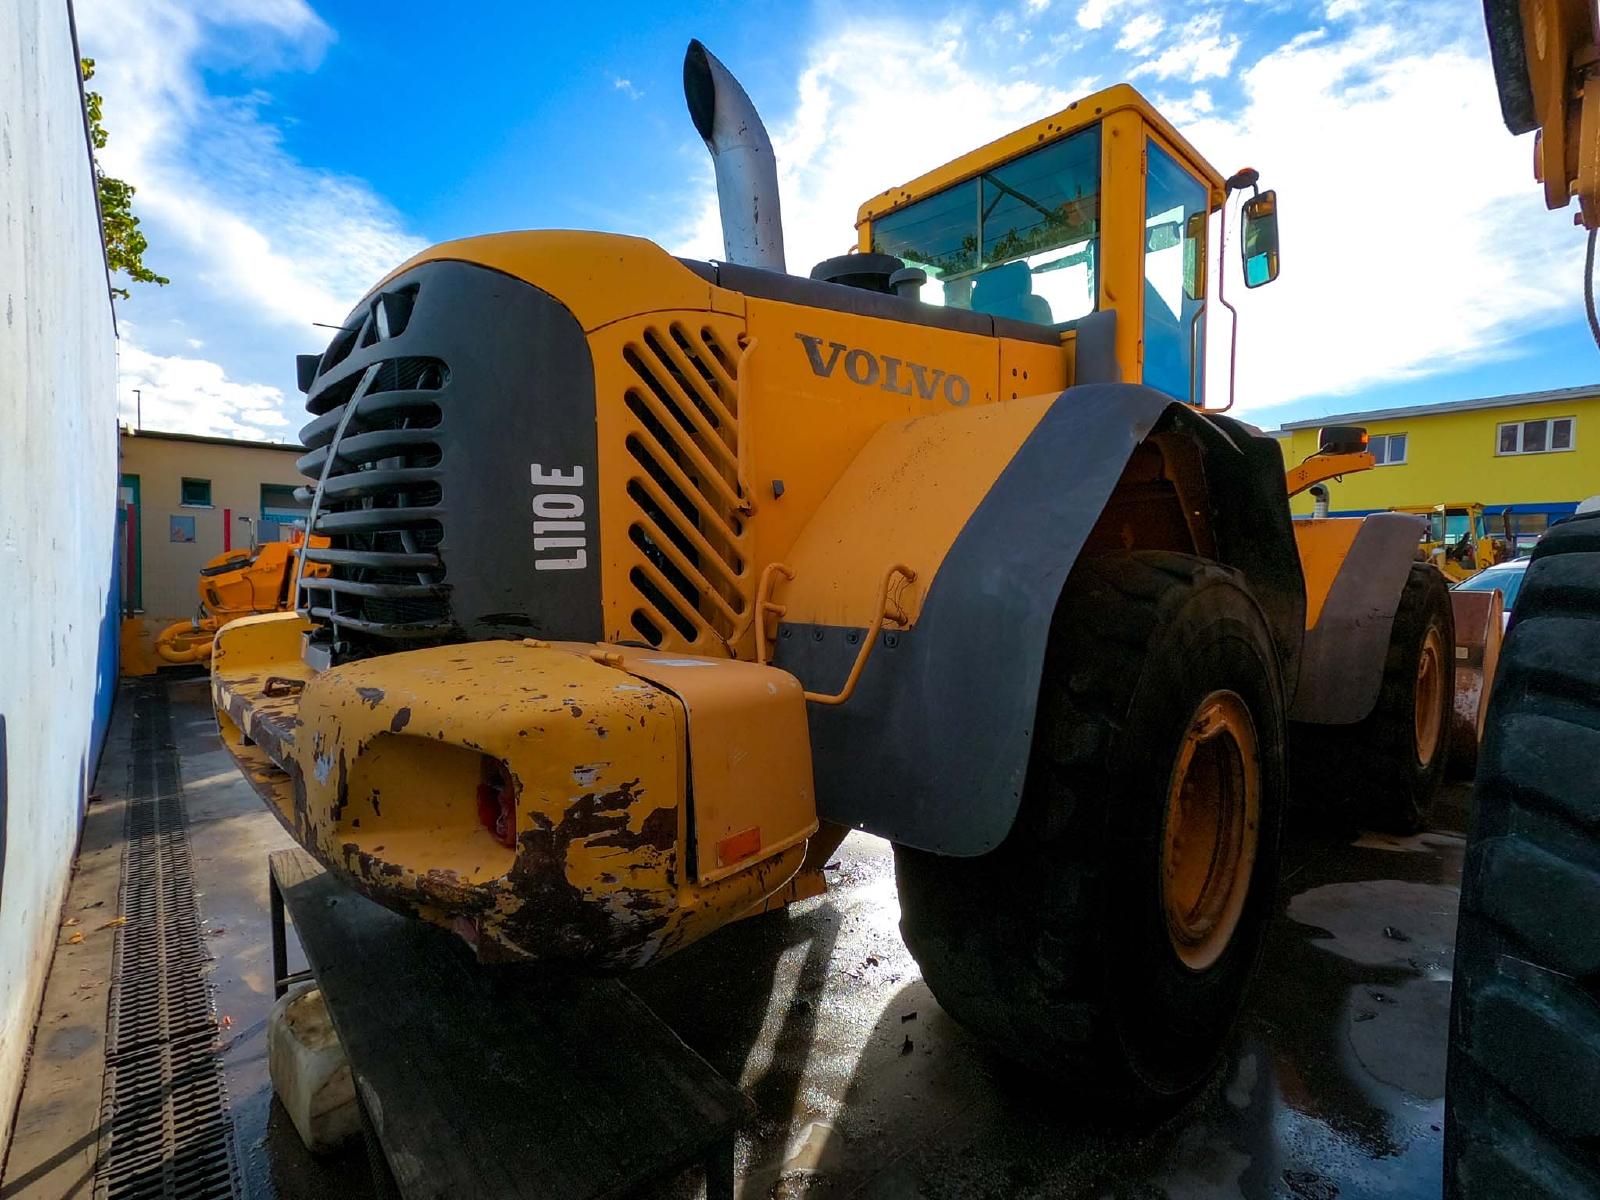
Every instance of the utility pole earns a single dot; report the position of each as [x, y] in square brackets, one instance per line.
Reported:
[138, 410]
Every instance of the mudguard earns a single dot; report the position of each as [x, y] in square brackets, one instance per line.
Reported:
[932, 748]
[1344, 651]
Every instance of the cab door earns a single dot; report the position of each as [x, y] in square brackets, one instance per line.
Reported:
[1173, 334]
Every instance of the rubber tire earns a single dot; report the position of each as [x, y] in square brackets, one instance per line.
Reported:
[1373, 764]
[1053, 948]
[1522, 1115]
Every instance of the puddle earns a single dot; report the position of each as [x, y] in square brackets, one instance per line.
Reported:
[1382, 922]
[1419, 843]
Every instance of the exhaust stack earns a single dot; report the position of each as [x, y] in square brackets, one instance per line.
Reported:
[741, 152]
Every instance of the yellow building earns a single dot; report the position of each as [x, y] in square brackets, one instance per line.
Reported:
[1537, 453]
[186, 499]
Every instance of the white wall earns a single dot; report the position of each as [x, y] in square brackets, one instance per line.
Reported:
[58, 476]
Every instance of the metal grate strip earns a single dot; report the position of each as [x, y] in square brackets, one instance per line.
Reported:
[690, 575]
[166, 1132]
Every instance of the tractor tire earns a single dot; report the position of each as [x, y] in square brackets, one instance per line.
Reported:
[1522, 1107]
[1392, 764]
[1087, 945]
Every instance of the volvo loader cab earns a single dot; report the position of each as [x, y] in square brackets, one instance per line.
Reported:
[649, 578]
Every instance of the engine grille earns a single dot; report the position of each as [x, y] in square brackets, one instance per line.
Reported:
[451, 394]
[380, 503]
[689, 574]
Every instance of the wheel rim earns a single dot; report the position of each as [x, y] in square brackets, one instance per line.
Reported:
[1428, 708]
[1212, 824]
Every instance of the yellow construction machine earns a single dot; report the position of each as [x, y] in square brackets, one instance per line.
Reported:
[1458, 540]
[1521, 1113]
[648, 578]
[1475, 625]
[236, 583]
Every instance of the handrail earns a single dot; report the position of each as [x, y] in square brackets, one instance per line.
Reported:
[1196, 369]
[350, 407]
[871, 638]
[764, 605]
[741, 449]
[1222, 299]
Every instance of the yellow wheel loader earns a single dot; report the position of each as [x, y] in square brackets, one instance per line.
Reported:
[234, 584]
[1405, 738]
[1458, 541]
[647, 578]
[1522, 1104]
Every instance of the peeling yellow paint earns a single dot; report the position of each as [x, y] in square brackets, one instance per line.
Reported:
[374, 767]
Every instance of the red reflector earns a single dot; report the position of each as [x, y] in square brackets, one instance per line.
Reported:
[497, 801]
[741, 845]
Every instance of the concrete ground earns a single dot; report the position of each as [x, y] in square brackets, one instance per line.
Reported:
[1332, 1087]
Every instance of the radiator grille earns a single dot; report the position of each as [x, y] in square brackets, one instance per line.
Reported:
[381, 504]
[689, 574]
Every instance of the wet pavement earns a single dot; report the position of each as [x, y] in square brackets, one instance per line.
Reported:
[1332, 1087]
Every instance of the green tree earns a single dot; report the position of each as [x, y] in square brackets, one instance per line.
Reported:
[125, 245]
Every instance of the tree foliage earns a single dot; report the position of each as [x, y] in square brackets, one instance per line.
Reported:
[125, 244]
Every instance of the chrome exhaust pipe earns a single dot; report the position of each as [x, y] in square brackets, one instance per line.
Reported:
[741, 152]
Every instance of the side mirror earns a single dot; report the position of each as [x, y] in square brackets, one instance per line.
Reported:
[1341, 439]
[1259, 244]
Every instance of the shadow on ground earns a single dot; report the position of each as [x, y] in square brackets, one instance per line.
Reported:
[1332, 1086]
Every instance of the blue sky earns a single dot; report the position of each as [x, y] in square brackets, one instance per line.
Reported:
[289, 153]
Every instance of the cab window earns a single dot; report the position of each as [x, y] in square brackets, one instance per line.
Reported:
[1174, 277]
[1021, 240]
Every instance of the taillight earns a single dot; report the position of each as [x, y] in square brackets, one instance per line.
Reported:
[497, 801]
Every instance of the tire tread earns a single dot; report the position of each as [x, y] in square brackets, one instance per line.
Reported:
[1523, 1104]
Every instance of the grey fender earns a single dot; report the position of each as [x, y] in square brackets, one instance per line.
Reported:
[1342, 656]
[932, 749]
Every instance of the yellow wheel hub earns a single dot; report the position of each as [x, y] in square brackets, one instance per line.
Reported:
[1429, 699]
[1212, 825]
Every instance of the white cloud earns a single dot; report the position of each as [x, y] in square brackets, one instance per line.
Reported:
[1140, 32]
[1037, 6]
[193, 395]
[1186, 110]
[1093, 14]
[625, 86]
[1387, 274]
[1199, 52]
[258, 245]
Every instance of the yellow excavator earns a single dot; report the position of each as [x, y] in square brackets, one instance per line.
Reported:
[648, 578]
[235, 584]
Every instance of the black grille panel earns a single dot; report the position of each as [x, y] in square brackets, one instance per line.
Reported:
[382, 496]
[448, 386]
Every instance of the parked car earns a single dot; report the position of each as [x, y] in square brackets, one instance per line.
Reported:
[1506, 576]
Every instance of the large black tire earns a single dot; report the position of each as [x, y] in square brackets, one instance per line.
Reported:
[1391, 765]
[1054, 948]
[1522, 1115]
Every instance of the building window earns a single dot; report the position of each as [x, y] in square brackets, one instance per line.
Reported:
[1537, 437]
[281, 513]
[1388, 448]
[195, 493]
[1526, 526]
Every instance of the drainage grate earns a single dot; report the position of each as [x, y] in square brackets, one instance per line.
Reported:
[164, 1118]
